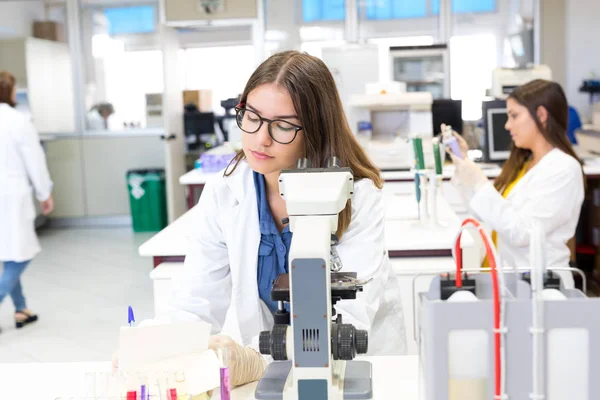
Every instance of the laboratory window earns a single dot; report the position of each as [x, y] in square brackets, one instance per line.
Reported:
[128, 20]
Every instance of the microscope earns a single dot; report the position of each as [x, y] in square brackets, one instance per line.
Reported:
[313, 352]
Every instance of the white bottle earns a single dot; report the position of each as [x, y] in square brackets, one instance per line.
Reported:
[468, 364]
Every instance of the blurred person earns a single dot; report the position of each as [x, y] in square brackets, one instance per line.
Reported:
[23, 171]
[97, 117]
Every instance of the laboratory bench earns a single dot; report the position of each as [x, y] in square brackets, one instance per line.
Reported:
[195, 180]
[406, 236]
[393, 377]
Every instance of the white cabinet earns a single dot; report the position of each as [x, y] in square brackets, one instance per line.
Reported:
[44, 77]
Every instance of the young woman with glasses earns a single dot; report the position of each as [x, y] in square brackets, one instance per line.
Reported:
[290, 109]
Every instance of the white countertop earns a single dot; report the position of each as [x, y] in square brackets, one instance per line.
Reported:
[199, 177]
[591, 167]
[393, 377]
[403, 229]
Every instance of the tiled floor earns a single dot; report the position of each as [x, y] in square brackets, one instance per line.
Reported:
[80, 285]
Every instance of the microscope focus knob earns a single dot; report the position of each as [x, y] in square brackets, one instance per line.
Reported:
[274, 343]
[362, 341]
[264, 343]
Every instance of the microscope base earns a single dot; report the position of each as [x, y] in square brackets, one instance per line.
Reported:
[358, 381]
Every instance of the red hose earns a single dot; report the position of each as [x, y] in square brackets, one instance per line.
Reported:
[495, 289]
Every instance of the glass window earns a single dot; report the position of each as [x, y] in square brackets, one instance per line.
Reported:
[395, 9]
[129, 77]
[323, 10]
[402, 9]
[472, 59]
[466, 6]
[126, 20]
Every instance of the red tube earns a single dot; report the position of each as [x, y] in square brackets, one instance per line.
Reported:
[496, 294]
[458, 252]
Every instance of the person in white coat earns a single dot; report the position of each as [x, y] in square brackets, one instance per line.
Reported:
[23, 172]
[542, 180]
[289, 109]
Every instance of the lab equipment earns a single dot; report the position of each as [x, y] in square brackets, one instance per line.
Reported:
[437, 156]
[144, 389]
[447, 111]
[224, 373]
[428, 178]
[422, 68]
[505, 80]
[541, 331]
[314, 355]
[181, 386]
[497, 140]
[437, 179]
[365, 132]
[217, 159]
[418, 193]
[199, 127]
[419, 157]
[451, 142]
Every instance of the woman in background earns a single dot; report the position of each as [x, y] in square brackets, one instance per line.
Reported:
[23, 171]
[542, 179]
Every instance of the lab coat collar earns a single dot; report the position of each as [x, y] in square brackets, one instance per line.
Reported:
[240, 181]
[547, 158]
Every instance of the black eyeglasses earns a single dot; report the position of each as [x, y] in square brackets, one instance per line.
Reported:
[281, 131]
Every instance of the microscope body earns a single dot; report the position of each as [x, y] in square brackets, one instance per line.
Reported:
[318, 348]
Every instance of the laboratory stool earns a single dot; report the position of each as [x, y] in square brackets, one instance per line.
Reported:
[161, 277]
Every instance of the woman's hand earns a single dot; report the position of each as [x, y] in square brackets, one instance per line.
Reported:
[47, 205]
[468, 176]
[462, 143]
[245, 364]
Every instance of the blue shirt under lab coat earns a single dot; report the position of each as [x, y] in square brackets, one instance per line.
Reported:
[274, 246]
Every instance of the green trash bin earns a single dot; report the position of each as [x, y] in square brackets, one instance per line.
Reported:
[147, 199]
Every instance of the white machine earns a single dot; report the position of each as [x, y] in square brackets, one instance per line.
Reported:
[313, 354]
[507, 333]
[505, 80]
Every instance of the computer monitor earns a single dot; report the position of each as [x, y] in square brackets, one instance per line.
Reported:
[449, 112]
[497, 140]
[199, 129]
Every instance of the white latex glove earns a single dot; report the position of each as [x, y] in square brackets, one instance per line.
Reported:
[468, 177]
[245, 364]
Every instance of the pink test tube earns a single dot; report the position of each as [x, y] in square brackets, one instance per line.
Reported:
[225, 384]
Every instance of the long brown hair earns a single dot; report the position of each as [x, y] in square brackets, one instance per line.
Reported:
[532, 95]
[317, 103]
[7, 84]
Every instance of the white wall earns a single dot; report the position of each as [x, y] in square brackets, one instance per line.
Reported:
[582, 55]
[16, 17]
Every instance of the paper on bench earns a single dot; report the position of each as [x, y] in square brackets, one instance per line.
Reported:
[175, 347]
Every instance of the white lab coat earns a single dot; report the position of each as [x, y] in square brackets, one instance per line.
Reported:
[95, 122]
[552, 192]
[23, 170]
[219, 280]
